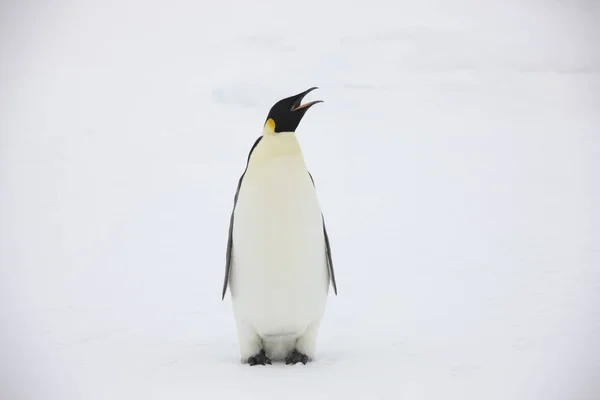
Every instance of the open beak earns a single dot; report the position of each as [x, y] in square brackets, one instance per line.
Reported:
[297, 102]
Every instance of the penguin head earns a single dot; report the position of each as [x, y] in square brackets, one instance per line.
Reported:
[286, 114]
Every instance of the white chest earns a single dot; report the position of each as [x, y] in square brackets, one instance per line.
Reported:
[279, 270]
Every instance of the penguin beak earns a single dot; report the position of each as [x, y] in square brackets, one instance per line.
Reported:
[296, 105]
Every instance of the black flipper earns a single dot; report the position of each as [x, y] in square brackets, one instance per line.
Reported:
[328, 248]
[230, 238]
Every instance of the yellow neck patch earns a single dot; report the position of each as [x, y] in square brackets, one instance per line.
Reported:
[269, 128]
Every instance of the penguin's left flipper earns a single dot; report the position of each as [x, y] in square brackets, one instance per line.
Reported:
[230, 237]
[328, 248]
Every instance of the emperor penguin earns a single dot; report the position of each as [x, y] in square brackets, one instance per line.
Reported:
[278, 262]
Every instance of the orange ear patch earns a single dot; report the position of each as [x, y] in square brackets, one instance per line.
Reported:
[270, 125]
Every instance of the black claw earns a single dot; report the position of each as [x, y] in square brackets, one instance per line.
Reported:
[295, 357]
[259, 359]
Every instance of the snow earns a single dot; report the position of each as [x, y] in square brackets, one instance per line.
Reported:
[455, 157]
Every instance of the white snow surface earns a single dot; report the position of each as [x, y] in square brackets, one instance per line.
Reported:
[456, 159]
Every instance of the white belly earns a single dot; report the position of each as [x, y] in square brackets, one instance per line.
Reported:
[279, 277]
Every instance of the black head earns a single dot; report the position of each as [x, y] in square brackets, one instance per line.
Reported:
[286, 114]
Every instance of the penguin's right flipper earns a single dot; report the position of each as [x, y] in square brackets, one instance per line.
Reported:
[329, 260]
[230, 238]
[327, 248]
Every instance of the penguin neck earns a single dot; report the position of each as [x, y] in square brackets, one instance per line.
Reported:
[277, 146]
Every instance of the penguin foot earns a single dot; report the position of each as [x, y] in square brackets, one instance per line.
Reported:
[259, 359]
[295, 357]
